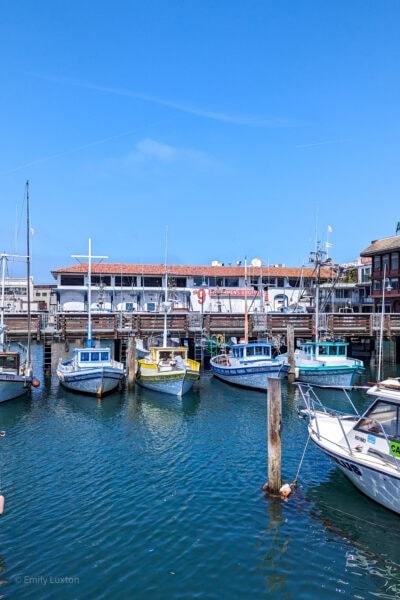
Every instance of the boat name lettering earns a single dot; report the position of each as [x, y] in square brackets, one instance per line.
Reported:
[360, 439]
[395, 447]
[347, 465]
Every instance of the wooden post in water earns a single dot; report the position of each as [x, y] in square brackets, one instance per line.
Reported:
[131, 361]
[290, 352]
[274, 435]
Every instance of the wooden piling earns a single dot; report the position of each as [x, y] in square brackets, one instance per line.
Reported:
[290, 352]
[131, 366]
[274, 435]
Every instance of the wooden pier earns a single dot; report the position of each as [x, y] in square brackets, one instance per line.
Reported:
[69, 326]
[119, 327]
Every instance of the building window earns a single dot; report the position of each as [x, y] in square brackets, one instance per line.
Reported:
[385, 262]
[125, 281]
[72, 280]
[395, 261]
[377, 263]
[101, 280]
[181, 282]
[232, 282]
[200, 281]
[152, 282]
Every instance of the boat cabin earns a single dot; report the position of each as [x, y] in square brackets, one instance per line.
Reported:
[168, 354]
[382, 420]
[90, 357]
[9, 362]
[324, 349]
[252, 351]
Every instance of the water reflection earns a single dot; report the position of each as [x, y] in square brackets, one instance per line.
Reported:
[371, 530]
[277, 546]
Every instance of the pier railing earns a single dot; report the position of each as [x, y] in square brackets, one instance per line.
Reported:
[69, 325]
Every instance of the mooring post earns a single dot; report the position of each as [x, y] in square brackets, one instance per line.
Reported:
[290, 352]
[131, 361]
[274, 435]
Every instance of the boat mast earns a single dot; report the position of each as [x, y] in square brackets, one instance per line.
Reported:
[89, 323]
[316, 258]
[89, 257]
[3, 285]
[28, 276]
[246, 318]
[166, 294]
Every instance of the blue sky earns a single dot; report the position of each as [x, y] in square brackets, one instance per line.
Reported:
[229, 128]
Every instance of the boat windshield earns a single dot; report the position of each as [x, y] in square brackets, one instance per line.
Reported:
[9, 361]
[94, 356]
[382, 419]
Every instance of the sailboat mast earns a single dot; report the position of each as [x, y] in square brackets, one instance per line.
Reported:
[89, 323]
[317, 301]
[3, 285]
[165, 293]
[28, 275]
[246, 317]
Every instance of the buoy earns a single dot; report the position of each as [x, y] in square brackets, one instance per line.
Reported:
[1, 504]
[35, 382]
[285, 490]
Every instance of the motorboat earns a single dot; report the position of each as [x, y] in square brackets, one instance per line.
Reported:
[366, 446]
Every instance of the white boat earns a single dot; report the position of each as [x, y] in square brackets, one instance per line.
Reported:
[91, 370]
[16, 373]
[249, 365]
[366, 447]
[167, 368]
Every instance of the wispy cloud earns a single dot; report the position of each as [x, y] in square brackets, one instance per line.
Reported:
[152, 152]
[250, 121]
[325, 143]
[151, 148]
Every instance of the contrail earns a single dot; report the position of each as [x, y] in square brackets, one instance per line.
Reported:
[216, 116]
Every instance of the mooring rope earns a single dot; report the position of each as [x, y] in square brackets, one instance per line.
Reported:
[294, 482]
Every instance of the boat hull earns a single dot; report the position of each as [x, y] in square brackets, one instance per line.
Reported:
[382, 486]
[96, 382]
[13, 386]
[340, 377]
[253, 377]
[175, 383]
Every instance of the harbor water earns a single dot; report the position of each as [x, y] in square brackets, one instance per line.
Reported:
[142, 495]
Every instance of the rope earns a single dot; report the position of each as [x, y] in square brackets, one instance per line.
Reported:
[2, 434]
[294, 483]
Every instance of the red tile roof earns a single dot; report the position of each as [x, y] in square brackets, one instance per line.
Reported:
[190, 270]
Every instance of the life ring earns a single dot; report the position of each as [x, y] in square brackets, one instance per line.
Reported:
[201, 295]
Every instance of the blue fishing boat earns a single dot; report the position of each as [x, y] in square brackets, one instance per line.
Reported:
[249, 365]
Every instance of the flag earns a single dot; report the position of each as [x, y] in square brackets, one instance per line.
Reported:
[328, 245]
[32, 231]
[330, 229]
